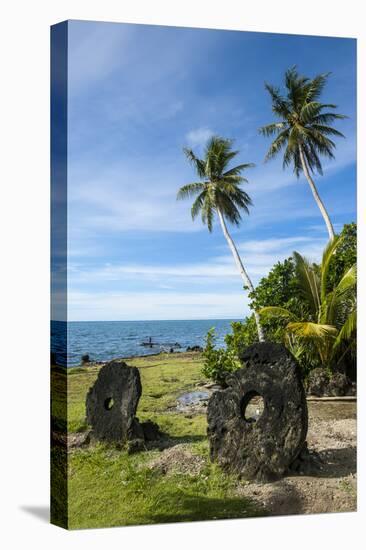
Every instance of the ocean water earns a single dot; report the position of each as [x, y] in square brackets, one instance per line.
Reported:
[105, 340]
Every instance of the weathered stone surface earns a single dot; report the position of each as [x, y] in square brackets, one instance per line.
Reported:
[321, 384]
[317, 382]
[265, 447]
[338, 385]
[112, 402]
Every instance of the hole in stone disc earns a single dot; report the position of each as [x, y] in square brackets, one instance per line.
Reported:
[252, 406]
[108, 403]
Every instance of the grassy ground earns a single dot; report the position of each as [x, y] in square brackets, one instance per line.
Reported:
[108, 487]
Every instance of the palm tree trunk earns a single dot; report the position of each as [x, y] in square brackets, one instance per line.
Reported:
[316, 195]
[243, 273]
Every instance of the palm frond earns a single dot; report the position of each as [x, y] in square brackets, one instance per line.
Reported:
[280, 105]
[190, 190]
[207, 214]
[197, 205]
[308, 282]
[277, 145]
[326, 118]
[347, 331]
[277, 312]
[197, 163]
[312, 331]
[329, 250]
[316, 86]
[347, 285]
[237, 170]
[272, 129]
[326, 130]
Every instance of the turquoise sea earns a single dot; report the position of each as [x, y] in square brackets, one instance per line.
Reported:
[105, 340]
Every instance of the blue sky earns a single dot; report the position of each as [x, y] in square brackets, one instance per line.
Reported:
[137, 95]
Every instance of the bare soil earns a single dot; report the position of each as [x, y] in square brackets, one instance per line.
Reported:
[330, 488]
[178, 459]
[333, 485]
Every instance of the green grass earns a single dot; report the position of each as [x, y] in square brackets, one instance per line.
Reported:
[108, 487]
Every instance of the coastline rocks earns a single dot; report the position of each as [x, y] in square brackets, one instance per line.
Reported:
[264, 445]
[111, 405]
[85, 358]
[195, 348]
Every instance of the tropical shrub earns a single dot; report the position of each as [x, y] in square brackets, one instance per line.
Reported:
[327, 330]
[278, 288]
[218, 362]
[345, 255]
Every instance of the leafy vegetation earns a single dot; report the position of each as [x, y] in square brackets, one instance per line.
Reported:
[283, 291]
[218, 363]
[329, 322]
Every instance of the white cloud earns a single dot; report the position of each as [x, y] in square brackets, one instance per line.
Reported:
[218, 287]
[213, 275]
[199, 136]
[155, 306]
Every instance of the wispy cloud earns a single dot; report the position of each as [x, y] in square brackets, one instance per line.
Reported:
[155, 306]
[199, 136]
[259, 257]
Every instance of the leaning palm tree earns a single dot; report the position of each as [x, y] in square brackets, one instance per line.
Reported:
[329, 324]
[218, 192]
[303, 129]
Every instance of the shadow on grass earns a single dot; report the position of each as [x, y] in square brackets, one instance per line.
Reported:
[182, 506]
[168, 441]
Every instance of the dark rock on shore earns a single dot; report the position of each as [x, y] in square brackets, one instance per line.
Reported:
[111, 406]
[194, 348]
[264, 446]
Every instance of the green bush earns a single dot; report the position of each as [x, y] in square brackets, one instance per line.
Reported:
[218, 363]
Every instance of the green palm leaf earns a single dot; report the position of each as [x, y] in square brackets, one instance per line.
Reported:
[190, 190]
[301, 121]
[312, 331]
[347, 331]
[308, 282]
[277, 312]
[327, 256]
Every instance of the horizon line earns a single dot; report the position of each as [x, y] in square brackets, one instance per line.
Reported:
[148, 320]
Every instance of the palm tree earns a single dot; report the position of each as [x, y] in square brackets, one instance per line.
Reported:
[330, 323]
[303, 128]
[218, 192]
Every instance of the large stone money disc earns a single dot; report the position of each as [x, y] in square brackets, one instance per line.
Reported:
[112, 402]
[254, 441]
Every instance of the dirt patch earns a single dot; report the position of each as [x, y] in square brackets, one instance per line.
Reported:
[332, 487]
[178, 460]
